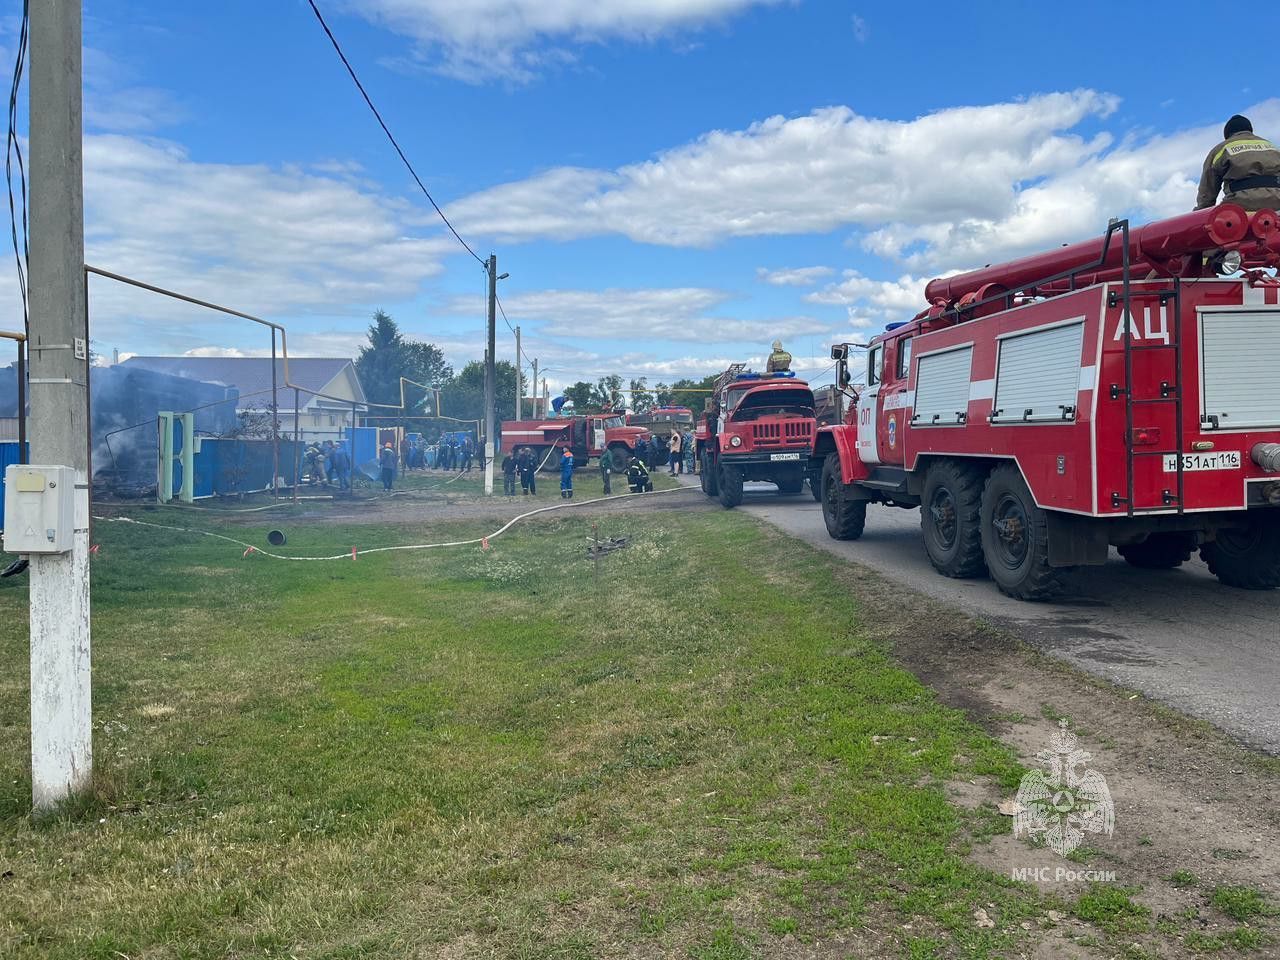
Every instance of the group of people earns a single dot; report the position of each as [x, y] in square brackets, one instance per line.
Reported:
[451, 453]
[328, 463]
[676, 452]
[523, 465]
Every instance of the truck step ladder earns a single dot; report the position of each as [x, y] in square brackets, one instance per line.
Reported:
[1171, 392]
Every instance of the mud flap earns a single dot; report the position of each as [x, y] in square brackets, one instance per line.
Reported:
[1076, 541]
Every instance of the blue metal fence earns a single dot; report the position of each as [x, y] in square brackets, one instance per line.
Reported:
[9, 453]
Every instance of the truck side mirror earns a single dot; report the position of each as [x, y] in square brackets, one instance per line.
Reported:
[840, 351]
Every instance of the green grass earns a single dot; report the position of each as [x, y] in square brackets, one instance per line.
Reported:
[491, 753]
[1111, 907]
[1240, 903]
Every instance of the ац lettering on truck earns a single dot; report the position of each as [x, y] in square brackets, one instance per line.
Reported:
[757, 427]
[1120, 392]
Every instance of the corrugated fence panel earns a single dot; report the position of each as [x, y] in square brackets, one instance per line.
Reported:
[1241, 360]
[9, 453]
[942, 387]
[1038, 374]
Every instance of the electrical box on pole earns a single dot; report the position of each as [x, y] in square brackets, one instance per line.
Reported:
[39, 509]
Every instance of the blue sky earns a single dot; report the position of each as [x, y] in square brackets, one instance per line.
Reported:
[670, 183]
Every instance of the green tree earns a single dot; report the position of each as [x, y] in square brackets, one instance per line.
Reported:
[607, 393]
[462, 396]
[583, 396]
[692, 393]
[390, 356]
[641, 398]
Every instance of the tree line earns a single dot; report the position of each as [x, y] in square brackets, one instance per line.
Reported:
[389, 355]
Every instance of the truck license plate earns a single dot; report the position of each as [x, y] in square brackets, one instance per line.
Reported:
[1224, 460]
[784, 456]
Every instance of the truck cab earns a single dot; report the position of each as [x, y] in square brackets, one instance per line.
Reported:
[758, 427]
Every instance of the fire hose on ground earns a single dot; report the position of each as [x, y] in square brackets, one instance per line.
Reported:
[483, 541]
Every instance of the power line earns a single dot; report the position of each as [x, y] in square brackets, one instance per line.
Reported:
[385, 129]
[498, 300]
[14, 146]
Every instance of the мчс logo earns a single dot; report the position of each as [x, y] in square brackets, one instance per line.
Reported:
[1060, 804]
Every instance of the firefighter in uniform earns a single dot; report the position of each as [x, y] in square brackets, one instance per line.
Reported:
[779, 360]
[1244, 166]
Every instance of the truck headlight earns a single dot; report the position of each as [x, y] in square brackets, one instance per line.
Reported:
[735, 441]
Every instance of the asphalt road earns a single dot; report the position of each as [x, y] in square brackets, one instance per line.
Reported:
[1176, 636]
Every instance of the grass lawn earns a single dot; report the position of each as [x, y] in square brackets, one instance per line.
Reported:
[466, 753]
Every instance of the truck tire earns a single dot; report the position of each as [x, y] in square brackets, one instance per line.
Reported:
[708, 476]
[1160, 551]
[1015, 538]
[1249, 559]
[790, 486]
[729, 483]
[845, 516]
[949, 510]
[814, 479]
[621, 458]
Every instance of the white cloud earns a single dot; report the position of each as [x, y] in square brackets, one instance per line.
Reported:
[860, 29]
[811, 174]
[479, 39]
[267, 240]
[868, 300]
[955, 188]
[689, 314]
[793, 276]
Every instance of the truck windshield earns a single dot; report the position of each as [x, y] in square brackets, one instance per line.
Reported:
[768, 403]
[610, 422]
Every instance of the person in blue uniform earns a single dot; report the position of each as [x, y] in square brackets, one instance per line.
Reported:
[566, 474]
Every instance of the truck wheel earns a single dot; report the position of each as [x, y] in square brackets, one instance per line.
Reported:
[709, 486]
[730, 484]
[1249, 558]
[621, 459]
[790, 486]
[844, 515]
[949, 511]
[1160, 551]
[1015, 538]
[814, 477]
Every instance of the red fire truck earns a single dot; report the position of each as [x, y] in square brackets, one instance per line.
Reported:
[758, 426]
[1120, 392]
[587, 435]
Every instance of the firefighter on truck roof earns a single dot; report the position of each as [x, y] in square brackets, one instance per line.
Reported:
[779, 360]
[1244, 166]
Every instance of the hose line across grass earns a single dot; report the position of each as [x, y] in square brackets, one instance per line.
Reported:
[483, 541]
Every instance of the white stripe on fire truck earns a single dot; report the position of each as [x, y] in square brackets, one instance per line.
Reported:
[982, 390]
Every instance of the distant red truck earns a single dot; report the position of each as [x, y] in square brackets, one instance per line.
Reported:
[589, 436]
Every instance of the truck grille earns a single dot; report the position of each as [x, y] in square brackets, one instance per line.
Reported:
[786, 432]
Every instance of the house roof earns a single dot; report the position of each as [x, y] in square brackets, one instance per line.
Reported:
[250, 375]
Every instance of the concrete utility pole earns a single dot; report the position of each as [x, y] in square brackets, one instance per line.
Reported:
[535, 388]
[61, 704]
[490, 377]
[519, 377]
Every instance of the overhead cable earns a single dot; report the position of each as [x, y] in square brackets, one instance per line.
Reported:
[387, 130]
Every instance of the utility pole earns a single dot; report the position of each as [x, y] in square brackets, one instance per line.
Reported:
[536, 414]
[519, 377]
[490, 377]
[61, 702]
[546, 398]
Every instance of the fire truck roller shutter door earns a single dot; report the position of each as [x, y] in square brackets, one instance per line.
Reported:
[1038, 375]
[942, 387]
[1241, 364]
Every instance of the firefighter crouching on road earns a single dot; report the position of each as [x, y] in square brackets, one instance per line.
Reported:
[1244, 166]
[638, 476]
[779, 360]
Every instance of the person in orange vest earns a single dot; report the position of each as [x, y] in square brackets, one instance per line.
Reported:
[566, 474]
